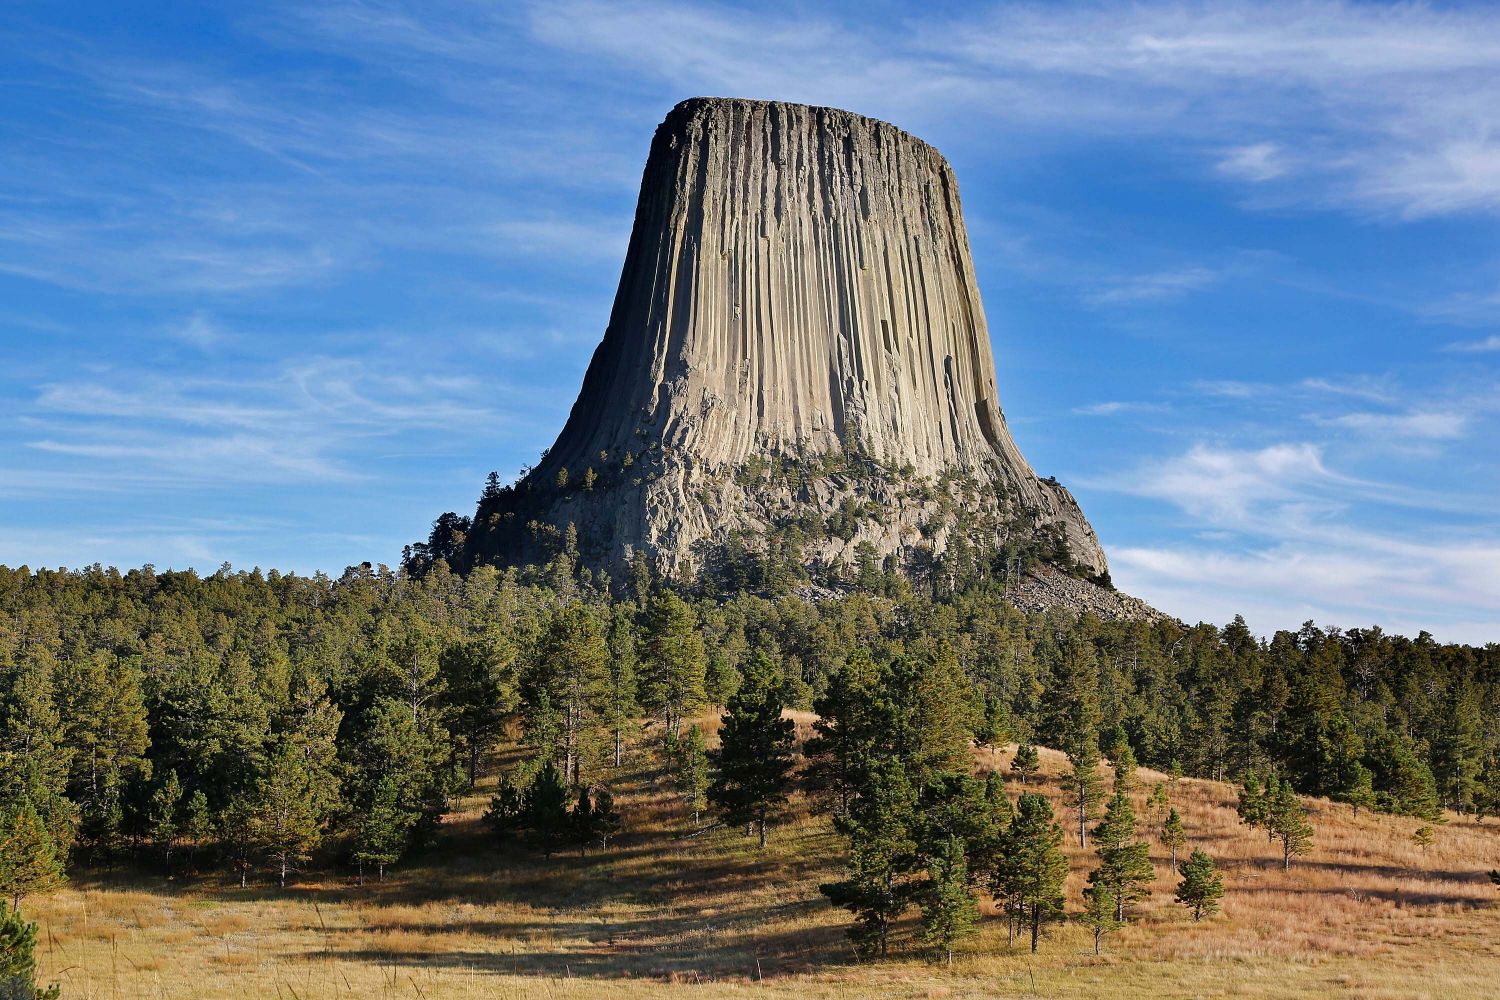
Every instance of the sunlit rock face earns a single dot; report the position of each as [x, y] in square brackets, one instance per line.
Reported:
[798, 287]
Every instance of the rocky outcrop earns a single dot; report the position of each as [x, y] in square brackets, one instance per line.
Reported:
[797, 333]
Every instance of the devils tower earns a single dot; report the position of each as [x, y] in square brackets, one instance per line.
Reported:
[796, 367]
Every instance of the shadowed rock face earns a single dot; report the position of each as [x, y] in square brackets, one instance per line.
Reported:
[798, 281]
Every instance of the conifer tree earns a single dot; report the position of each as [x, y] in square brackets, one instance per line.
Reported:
[1423, 837]
[992, 728]
[1025, 763]
[478, 678]
[942, 721]
[1034, 868]
[877, 886]
[1201, 887]
[381, 829]
[690, 769]
[1252, 807]
[197, 825]
[1288, 823]
[570, 676]
[1122, 757]
[949, 910]
[754, 761]
[546, 809]
[165, 827]
[34, 757]
[289, 809]
[1099, 913]
[1124, 862]
[104, 722]
[1001, 810]
[1360, 791]
[236, 834]
[846, 732]
[620, 701]
[672, 661]
[1173, 837]
[1083, 785]
[18, 959]
[29, 865]
[1158, 803]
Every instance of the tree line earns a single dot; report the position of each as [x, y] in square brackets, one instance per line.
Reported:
[255, 722]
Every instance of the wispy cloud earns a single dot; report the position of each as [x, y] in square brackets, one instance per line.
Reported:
[1160, 286]
[1484, 344]
[1431, 425]
[1115, 408]
[1258, 162]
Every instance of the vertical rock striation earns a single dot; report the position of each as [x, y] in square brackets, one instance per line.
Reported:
[798, 283]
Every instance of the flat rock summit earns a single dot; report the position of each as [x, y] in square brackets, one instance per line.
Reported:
[797, 368]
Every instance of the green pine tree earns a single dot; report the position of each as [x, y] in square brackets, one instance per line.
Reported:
[1360, 790]
[1124, 862]
[877, 886]
[1025, 763]
[1202, 887]
[18, 959]
[29, 863]
[1099, 913]
[949, 910]
[290, 807]
[672, 661]
[754, 761]
[479, 691]
[1034, 867]
[620, 701]
[1287, 822]
[1173, 837]
[690, 769]
[165, 825]
[382, 829]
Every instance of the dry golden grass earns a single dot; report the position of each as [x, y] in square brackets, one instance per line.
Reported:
[1367, 915]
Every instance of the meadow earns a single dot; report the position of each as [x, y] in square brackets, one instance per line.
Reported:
[671, 912]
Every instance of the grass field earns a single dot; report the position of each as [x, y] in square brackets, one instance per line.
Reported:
[1367, 914]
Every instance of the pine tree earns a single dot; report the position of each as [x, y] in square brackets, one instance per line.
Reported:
[236, 834]
[1099, 913]
[569, 676]
[479, 692]
[1288, 823]
[754, 761]
[1158, 803]
[690, 769]
[381, 829]
[1025, 763]
[1201, 887]
[949, 909]
[1034, 868]
[620, 700]
[1360, 790]
[846, 731]
[1001, 810]
[197, 825]
[877, 887]
[1124, 862]
[1253, 802]
[546, 809]
[1423, 837]
[1173, 838]
[104, 722]
[29, 865]
[672, 661]
[1123, 760]
[166, 805]
[1083, 785]
[289, 810]
[34, 758]
[18, 959]
[993, 727]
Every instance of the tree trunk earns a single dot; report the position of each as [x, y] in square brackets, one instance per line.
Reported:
[617, 747]
[473, 762]
[359, 867]
[1036, 925]
[283, 871]
[763, 828]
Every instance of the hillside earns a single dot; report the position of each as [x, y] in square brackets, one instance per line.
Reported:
[1366, 914]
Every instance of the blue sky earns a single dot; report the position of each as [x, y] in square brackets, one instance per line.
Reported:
[280, 283]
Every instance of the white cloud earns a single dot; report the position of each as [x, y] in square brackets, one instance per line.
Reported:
[1114, 408]
[1257, 163]
[1160, 286]
[1490, 343]
[1435, 426]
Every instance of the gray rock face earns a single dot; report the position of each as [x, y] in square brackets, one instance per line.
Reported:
[798, 283]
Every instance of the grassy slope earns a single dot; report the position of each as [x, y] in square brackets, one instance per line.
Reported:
[1367, 914]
